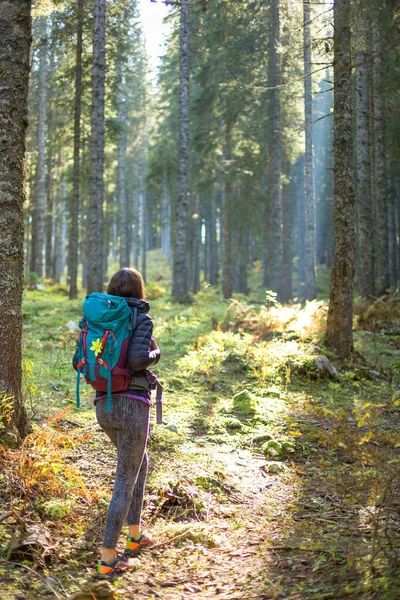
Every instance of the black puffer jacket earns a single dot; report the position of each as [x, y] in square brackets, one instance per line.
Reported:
[140, 357]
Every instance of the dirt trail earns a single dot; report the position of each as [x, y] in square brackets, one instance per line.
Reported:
[239, 526]
[221, 553]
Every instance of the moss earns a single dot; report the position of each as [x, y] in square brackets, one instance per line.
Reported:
[262, 437]
[201, 423]
[277, 450]
[273, 449]
[245, 403]
[231, 423]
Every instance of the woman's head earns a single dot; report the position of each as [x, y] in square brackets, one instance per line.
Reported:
[127, 283]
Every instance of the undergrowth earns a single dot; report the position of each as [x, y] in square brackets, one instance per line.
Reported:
[241, 392]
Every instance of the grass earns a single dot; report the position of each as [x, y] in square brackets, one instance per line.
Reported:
[274, 482]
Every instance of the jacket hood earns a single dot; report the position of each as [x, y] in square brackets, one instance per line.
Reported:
[141, 305]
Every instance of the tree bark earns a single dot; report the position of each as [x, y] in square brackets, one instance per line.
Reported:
[49, 217]
[366, 277]
[301, 229]
[179, 276]
[310, 217]
[213, 249]
[340, 315]
[227, 216]
[122, 201]
[392, 233]
[15, 42]
[196, 224]
[60, 230]
[381, 203]
[166, 220]
[286, 292]
[276, 152]
[143, 230]
[96, 245]
[396, 201]
[136, 216]
[74, 204]
[122, 204]
[38, 210]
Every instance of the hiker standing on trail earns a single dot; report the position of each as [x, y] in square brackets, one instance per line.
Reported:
[125, 418]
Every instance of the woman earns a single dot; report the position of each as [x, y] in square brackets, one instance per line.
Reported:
[127, 426]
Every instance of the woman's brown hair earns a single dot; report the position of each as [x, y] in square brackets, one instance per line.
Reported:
[127, 283]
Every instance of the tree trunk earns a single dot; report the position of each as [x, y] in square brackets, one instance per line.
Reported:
[122, 202]
[323, 180]
[15, 42]
[108, 219]
[179, 276]
[381, 204]
[136, 217]
[142, 224]
[310, 243]
[74, 204]
[301, 229]
[227, 216]
[213, 249]
[49, 215]
[122, 205]
[275, 152]
[241, 249]
[196, 224]
[340, 316]
[60, 231]
[392, 241]
[166, 220]
[38, 211]
[396, 200]
[287, 292]
[366, 277]
[30, 184]
[114, 237]
[96, 246]
[49, 218]
[205, 242]
[144, 235]
[83, 226]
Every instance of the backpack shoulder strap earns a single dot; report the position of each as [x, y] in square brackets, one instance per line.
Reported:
[134, 318]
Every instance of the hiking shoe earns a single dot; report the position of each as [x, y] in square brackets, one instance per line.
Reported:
[134, 545]
[118, 566]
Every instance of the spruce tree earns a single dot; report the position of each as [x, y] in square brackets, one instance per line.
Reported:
[15, 43]
[340, 315]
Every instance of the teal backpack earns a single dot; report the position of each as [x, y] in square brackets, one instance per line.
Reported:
[103, 344]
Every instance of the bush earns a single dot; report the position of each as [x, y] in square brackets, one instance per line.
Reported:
[154, 290]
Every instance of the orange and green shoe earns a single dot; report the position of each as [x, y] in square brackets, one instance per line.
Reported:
[119, 566]
[134, 545]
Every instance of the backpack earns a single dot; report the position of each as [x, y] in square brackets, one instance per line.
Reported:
[103, 344]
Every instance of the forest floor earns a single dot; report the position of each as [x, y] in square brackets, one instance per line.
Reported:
[267, 480]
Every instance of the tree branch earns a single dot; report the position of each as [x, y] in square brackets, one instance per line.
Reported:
[32, 571]
[316, 121]
[281, 85]
[202, 3]
[5, 516]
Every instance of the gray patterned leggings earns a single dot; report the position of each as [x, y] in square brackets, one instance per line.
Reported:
[127, 426]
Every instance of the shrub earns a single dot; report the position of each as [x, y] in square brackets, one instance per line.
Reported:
[154, 290]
